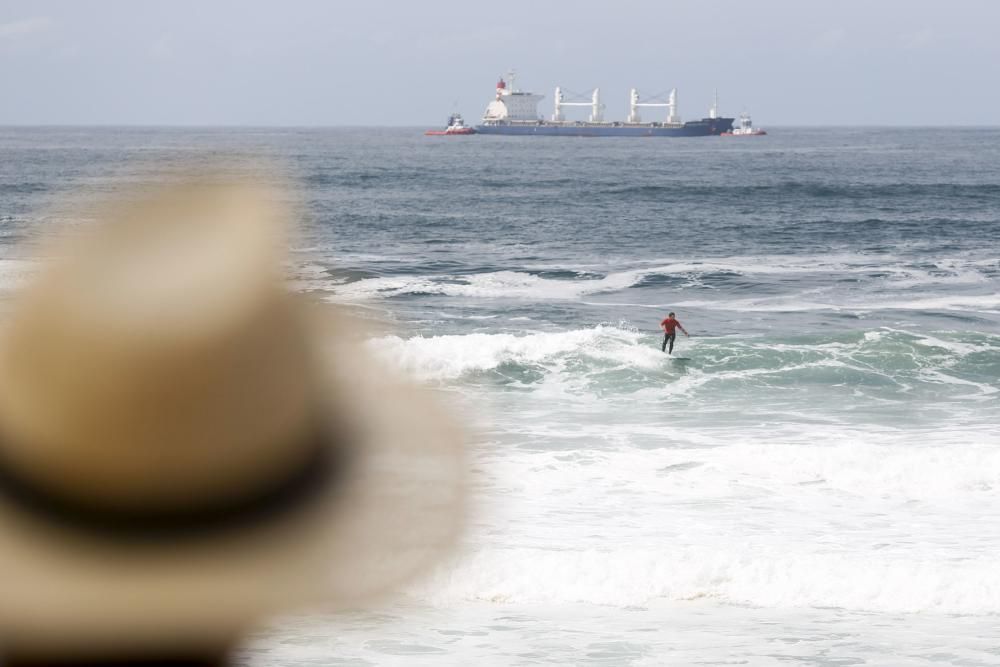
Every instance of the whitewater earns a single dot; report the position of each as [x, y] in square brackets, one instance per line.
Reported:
[816, 482]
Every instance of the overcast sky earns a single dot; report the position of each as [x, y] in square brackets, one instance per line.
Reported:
[322, 62]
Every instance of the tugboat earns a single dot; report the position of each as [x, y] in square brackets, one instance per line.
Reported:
[455, 126]
[746, 128]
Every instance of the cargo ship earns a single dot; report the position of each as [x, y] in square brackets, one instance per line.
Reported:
[515, 112]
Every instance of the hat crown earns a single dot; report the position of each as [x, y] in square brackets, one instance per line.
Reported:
[158, 362]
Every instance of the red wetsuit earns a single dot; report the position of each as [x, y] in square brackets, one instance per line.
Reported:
[670, 325]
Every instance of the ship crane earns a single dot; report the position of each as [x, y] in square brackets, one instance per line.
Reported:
[596, 108]
[670, 105]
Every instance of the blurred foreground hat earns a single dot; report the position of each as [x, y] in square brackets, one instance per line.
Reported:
[185, 446]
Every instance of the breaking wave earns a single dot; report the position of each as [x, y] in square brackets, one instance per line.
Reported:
[885, 362]
[840, 282]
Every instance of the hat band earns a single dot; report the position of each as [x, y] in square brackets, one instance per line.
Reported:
[317, 472]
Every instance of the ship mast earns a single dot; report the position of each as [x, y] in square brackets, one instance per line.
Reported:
[670, 105]
[596, 108]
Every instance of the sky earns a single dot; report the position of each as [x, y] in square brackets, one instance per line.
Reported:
[330, 63]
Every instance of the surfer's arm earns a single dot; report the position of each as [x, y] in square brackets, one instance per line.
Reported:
[683, 329]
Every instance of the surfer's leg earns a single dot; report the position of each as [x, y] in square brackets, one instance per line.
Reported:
[672, 337]
[663, 347]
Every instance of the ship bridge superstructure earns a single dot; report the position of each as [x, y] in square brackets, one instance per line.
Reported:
[512, 104]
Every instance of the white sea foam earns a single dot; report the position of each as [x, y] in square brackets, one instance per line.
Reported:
[820, 463]
[499, 284]
[956, 347]
[774, 264]
[450, 357]
[629, 577]
[584, 498]
[889, 284]
[895, 526]
[986, 303]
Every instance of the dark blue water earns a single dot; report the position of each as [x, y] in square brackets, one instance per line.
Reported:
[774, 250]
[825, 454]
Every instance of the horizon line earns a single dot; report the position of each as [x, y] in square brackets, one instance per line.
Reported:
[409, 127]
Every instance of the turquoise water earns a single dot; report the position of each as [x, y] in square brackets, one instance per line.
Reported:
[818, 482]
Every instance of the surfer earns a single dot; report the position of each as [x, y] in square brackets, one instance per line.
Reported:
[670, 326]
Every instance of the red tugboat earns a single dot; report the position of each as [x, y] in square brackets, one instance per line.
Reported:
[455, 126]
[746, 128]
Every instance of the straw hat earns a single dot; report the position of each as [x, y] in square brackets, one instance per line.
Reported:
[185, 446]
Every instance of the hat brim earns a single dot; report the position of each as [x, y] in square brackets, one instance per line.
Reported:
[396, 508]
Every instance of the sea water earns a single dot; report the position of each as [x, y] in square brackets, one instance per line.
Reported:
[818, 482]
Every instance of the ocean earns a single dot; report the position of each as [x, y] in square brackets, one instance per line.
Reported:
[815, 479]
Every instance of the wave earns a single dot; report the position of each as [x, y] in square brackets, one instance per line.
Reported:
[451, 357]
[628, 577]
[808, 302]
[498, 284]
[621, 360]
[856, 280]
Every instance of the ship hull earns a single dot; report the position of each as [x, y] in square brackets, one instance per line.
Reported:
[705, 127]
